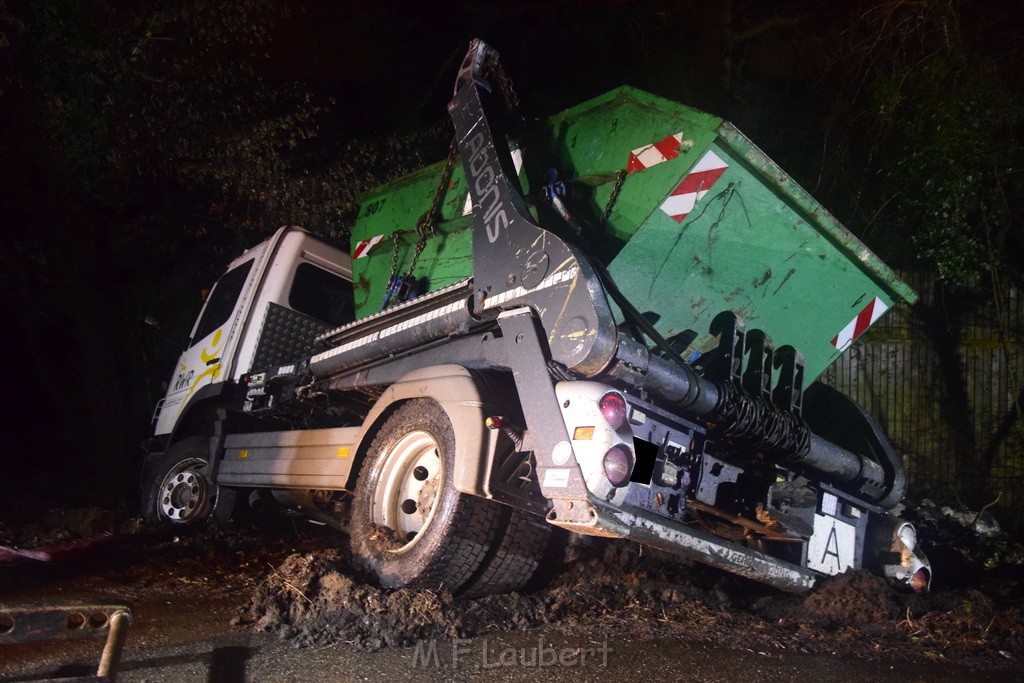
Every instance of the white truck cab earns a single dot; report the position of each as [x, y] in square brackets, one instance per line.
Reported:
[261, 311]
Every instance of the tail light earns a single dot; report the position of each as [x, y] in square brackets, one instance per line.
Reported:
[618, 465]
[613, 407]
[920, 580]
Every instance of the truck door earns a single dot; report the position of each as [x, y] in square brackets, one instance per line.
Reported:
[202, 363]
[265, 310]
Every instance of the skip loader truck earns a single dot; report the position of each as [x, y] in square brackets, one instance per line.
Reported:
[610, 323]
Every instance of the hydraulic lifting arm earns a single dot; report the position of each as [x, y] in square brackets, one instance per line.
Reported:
[516, 262]
[519, 263]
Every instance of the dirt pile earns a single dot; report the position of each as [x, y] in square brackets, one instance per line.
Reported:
[317, 598]
[312, 597]
[852, 598]
[614, 587]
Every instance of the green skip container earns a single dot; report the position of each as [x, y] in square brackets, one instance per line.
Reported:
[689, 216]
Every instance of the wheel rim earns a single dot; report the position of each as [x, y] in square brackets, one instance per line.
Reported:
[407, 491]
[185, 494]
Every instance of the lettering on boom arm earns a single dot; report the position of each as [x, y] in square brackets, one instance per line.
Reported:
[485, 183]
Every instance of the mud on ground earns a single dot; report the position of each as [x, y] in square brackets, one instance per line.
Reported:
[296, 581]
[618, 589]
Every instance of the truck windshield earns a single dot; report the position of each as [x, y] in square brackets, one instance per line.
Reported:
[222, 301]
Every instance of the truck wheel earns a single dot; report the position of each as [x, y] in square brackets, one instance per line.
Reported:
[409, 526]
[516, 558]
[178, 488]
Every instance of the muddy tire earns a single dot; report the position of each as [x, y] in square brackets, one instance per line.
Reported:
[409, 526]
[177, 488]
[515, 559]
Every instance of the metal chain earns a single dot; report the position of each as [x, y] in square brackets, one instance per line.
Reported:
[416, 253]
[620, 178]
[394, 253]
[426, 221]
[508, 93]
[425, 227]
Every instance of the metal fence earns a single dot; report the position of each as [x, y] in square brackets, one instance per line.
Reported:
[944, 379]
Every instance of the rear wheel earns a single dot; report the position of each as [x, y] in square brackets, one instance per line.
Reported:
[516, 558]
[409, 525]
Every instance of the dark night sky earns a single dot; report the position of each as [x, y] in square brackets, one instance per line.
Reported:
[392, 63]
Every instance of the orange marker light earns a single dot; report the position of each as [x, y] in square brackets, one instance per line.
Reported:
[583, 434]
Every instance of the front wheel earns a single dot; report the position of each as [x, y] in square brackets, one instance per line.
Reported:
[410, 526]
[178, 487]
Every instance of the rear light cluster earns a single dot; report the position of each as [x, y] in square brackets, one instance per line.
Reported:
[618, 460]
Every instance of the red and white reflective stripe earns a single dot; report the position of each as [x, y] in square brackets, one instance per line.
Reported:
[872, 312]
[363, 248]
[655, 153]
[694, 186]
